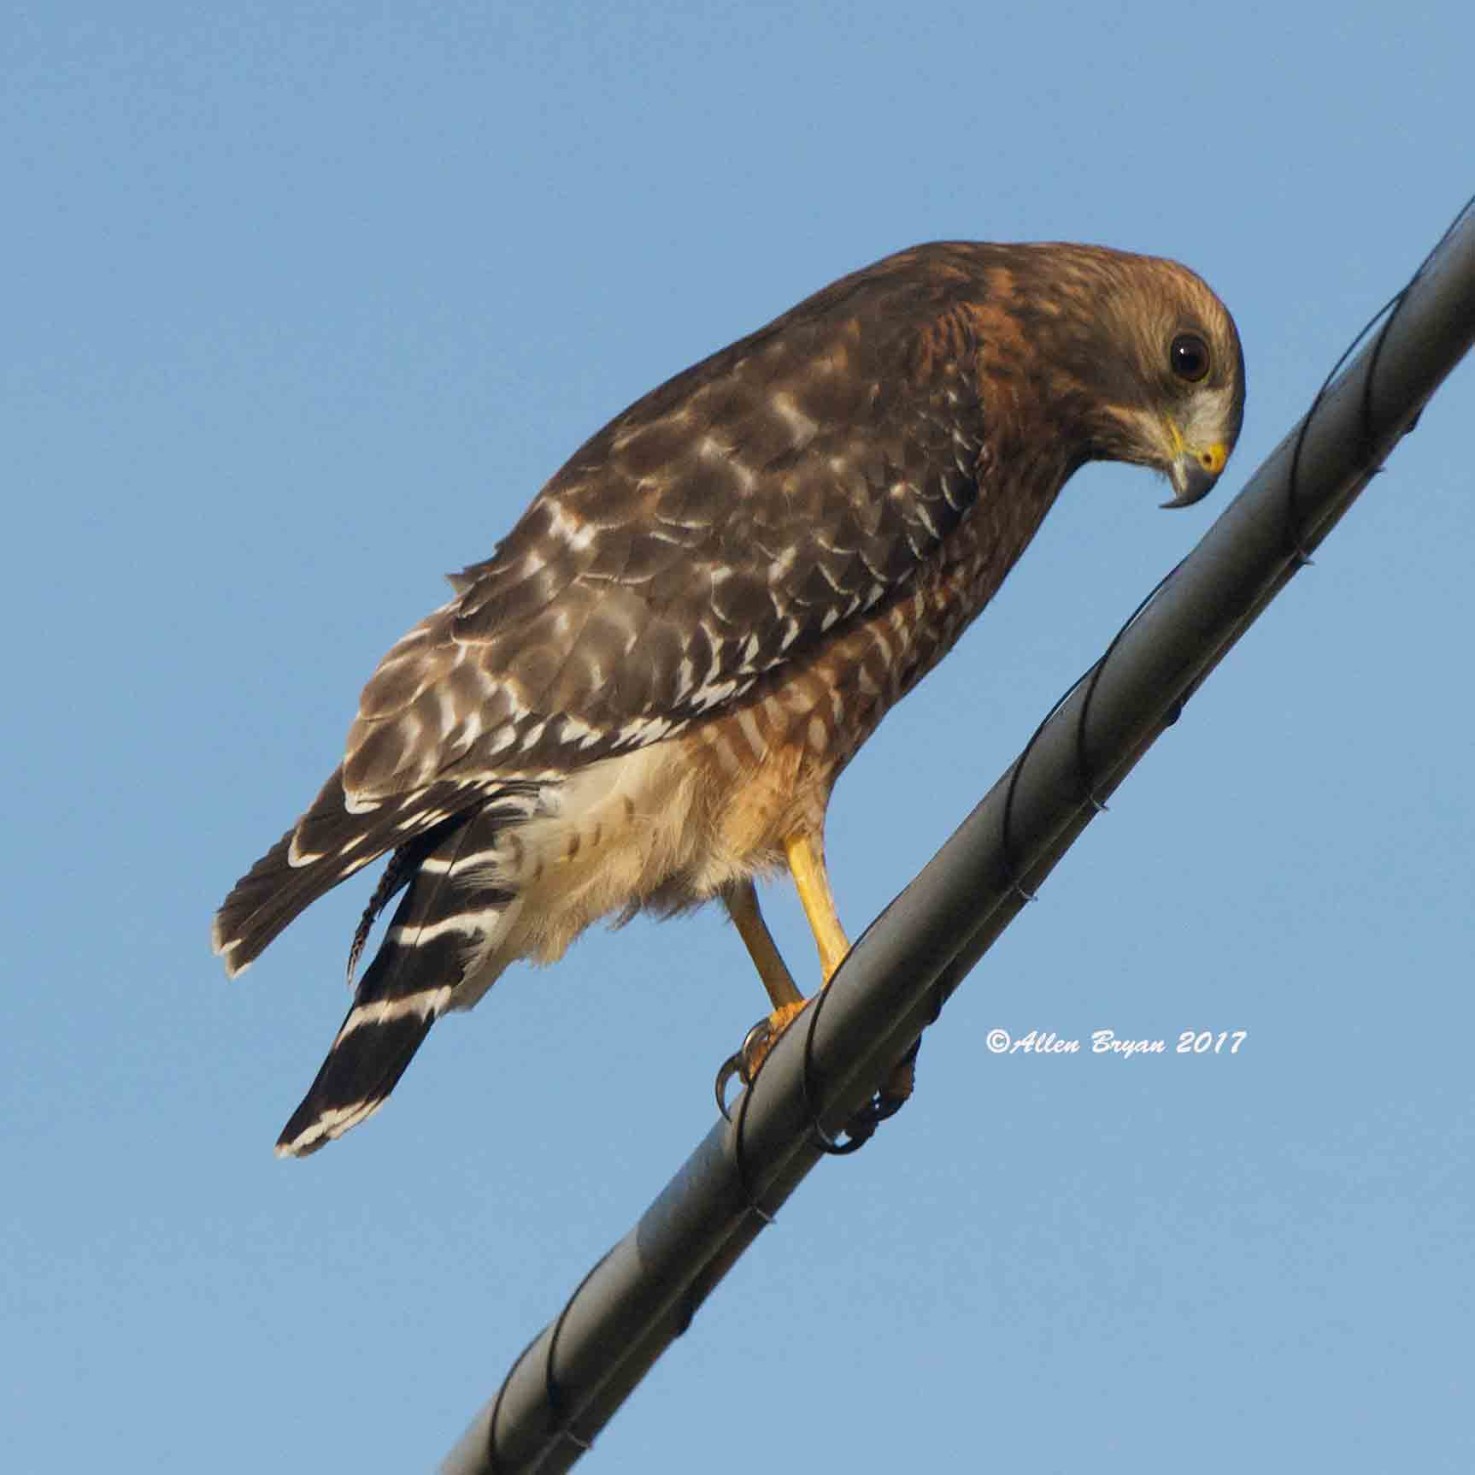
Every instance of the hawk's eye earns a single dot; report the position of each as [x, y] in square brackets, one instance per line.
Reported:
[1189, 357]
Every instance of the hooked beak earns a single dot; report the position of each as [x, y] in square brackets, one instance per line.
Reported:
[1194, 472]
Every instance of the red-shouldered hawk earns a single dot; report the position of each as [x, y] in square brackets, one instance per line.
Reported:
[643, 699]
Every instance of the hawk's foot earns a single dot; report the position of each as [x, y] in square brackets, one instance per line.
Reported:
[754, 1050]
[896, 1090]
[763, 1037]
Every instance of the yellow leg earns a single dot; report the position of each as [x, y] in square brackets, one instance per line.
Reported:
[742, 907]
[806, 856]
[806, 859]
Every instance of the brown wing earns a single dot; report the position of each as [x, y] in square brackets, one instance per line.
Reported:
[719, 527]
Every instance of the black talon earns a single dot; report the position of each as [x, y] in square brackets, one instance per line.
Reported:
[756, 1043]
[729, 1068]
[740, 1064]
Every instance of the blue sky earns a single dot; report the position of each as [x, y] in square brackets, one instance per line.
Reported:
[304, 304]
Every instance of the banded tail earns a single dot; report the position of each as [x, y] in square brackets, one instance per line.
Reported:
[442, 931]
[444, 843]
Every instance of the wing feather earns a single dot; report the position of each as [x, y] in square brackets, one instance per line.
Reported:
[718, 528]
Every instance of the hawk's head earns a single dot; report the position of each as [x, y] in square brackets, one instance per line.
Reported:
[1139, 355]
[1160, 359]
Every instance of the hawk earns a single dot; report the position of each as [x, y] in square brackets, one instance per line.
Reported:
[643, 699]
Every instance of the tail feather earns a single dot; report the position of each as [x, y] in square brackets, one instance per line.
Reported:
[287, 879]
[441, 932]
[330, 843]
